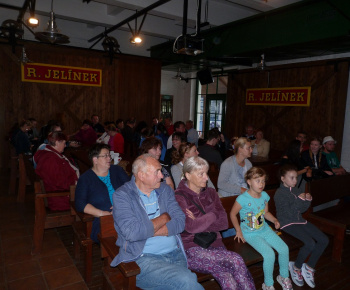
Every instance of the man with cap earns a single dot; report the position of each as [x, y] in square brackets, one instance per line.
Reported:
[332, 159]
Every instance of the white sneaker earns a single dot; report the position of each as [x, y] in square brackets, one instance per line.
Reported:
[264, 287]
[295, 275]
[308, 274]
[285, 283]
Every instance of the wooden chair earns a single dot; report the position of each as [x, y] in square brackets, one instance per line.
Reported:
[45, 218]
[82, 227]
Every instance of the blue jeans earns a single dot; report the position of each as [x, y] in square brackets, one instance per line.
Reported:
[168, 271]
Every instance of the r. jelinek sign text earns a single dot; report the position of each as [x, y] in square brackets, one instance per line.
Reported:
[57, 74]
[297, 96]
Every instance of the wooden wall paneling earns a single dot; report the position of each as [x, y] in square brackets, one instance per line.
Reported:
[326, 113]
[130, 87]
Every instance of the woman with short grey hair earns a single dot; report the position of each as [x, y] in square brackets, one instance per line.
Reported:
[205, 213]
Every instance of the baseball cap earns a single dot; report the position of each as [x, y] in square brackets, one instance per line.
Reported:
[327, 139]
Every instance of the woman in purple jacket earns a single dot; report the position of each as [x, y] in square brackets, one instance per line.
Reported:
[227, 267]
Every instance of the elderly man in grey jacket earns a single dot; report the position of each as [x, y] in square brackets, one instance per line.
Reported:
[149, 220]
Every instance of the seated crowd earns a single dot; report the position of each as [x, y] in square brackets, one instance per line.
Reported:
[162, 210]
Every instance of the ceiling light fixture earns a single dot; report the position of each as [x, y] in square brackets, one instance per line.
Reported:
[136, 38]
[33, 21]
[52, 34]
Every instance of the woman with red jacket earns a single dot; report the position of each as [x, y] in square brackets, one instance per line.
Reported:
[56, 171]
[227, 267]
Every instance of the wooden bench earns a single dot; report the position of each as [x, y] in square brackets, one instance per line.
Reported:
[45, 218]
[13, 169]
[82, 227]
[336, 219]
[27, 175]
[124, 275]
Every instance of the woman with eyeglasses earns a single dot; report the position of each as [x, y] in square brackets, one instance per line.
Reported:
[186, 151]
[96, 186]
[231, 177]
[56, 171]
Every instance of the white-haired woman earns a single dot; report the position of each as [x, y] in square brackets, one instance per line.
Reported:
[204, 213]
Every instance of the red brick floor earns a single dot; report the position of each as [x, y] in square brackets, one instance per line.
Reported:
[55, 268]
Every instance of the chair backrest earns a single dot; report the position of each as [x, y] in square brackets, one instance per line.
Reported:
[213, 173]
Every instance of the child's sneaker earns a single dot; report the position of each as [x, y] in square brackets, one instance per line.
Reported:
[295, 275]
[285, 283]
[308, 274]
[264, 287]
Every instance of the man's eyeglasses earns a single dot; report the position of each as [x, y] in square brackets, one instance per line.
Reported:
[104, 156]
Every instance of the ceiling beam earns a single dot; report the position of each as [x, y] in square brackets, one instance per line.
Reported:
[140, 13]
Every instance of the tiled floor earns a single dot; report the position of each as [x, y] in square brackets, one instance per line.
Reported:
[52, 269]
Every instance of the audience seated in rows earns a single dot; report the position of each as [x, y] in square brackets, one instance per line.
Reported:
[20, 138]
[93, 194]
[332, 159]
[153, 147]
[177, 138]
[86, 134]
[98, 128]
[208, 151]
[192, 134]
[186, 151]
[316, 160]
[302, 137]
[249, 132]
[128, 131]
[179, 126]
[147, 133]
[116, 140]
[104, 138]
[56, 171]
[261, 147]
[231, 177]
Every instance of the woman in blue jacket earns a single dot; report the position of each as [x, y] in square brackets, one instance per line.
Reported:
[96, 186]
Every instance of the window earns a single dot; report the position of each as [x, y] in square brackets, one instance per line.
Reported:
[166, 107]
[211, 105]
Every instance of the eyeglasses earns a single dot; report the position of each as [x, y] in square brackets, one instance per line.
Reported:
[104, 156]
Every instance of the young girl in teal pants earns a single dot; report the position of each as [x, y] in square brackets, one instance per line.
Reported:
[253, 209]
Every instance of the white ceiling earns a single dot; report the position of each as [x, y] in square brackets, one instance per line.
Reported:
[81, 21]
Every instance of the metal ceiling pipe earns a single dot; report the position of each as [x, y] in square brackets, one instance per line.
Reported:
[141, 12]
[184, 18]
[26, 4]
[198, 20]
[6, 6]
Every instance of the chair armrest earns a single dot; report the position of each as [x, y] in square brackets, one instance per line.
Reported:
[128, 269]
[52, 194]
[326, 225]
[84, 217]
